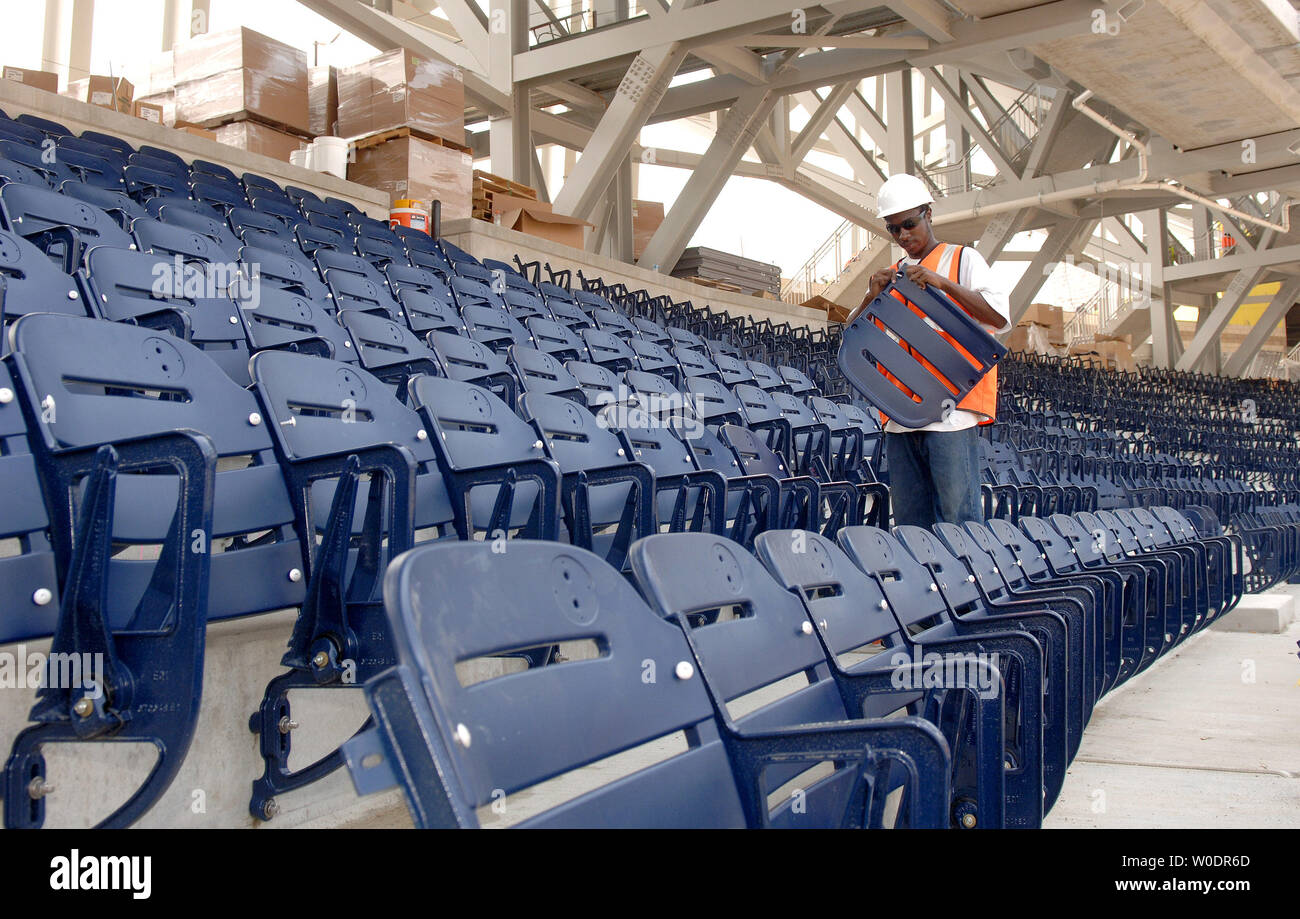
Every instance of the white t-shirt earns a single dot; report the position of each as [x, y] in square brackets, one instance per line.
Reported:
[973, 274]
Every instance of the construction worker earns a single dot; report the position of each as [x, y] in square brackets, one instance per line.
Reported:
[934, 471]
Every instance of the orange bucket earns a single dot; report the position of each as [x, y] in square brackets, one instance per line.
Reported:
[407, 212]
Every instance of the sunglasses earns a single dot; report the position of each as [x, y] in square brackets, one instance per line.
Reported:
[910, 223]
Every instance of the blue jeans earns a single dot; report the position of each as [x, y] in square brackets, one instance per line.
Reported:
[934, 477]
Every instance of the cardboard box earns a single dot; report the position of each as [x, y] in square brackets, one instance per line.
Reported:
[646, 217]
[256, 137]
[322, 100]
[41, 79]
[197, 131]
[228, 76]
[834, 312]
[165, 102]
[411, 167]
[114, 93]
[399, 88]
[150, 112]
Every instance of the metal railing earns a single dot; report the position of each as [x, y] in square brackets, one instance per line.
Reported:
[1013, 131]
[1098, 314]
[831, 259]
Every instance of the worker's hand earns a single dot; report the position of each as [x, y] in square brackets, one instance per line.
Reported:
[923, 277]
[878, 282]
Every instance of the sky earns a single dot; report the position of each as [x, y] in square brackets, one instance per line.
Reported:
[751, 217]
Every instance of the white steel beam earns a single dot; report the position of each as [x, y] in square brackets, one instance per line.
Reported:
[637, 97]
[1239, 361]
[735, 136]
[1060, 240]
[1211, 327]
[819, 120]
[971, 124]
[927, 15]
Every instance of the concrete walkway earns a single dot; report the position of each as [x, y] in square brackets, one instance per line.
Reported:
[1208, 737]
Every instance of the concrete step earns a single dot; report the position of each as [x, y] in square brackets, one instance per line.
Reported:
[1270, 612]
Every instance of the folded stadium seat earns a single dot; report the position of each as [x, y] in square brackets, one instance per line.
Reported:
[999, 573]
[311, 238]
[501, 481]
[93, 170]
[652, 358]
[849, 447]
[208, 168]
[569, 314]
[696, 364]
[539, 372]
[369, 226]
[243, 219]
[687, 498]
[220, 196]
[30, 283]
[1176, 599]
[109, 140]
[88, 455]
[1218, 558]
[154, 206]
[104, 379]
[1146, 629]
[17, 172]
[118, 205]
[466, 360]
[753, 501]
[389, 350]
[278, 319]
[423, 250]
[523, 305]
[21, 133]
[255, 184]
[810, 439]
[427, 312]
[171, 156]
[603, 486]
[305, 196]
[687, 339]
[172, 167]
[401, 277]
[967, 612]
[382, 253]
[265, 266]
[851, 618]
[656, 396]
[471, 292]
[556, 339]
[171, 240]
[651, 331]
[143, 183]
[764, 416]
[1035, 752]
[733, 371]
[191, 304]
[495, 328]
[608, 350]
[29, 583]
[327, 221]
[1023, 565]
[332, 261]
[47, 127]
[103, 151]
[610, 320]
[766, 377]
[521, 739]
[1154, 536]
[806, 503]
[275, 205]
[213, 228]
[455, 254]
[738, 653]
[798, 382]
[53, 172]
[713, 403]
[64, 228]
[600, 385]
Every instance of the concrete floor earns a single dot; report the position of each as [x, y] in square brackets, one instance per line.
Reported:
[1209, 737]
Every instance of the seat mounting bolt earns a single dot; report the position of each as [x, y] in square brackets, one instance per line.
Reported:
[321, 659]
[83, 707]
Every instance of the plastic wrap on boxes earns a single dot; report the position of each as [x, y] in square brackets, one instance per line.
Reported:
[222, 75]
[256, 137]
[410, 167]
[164, 101]
[399, 89]
[322, 100]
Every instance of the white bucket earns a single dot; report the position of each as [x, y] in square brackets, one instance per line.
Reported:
[298, 157]
[330, 154]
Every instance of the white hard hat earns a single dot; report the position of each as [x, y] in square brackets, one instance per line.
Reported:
[901, 193]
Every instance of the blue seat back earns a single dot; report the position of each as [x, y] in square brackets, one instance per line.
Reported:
[282, 320]
[539, 372]
[388, 349]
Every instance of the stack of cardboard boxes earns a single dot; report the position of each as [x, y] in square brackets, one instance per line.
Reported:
[407, 114]
[1114, 351]
[1040, 330]
[248, 89]
[114, 93]
[646, 217]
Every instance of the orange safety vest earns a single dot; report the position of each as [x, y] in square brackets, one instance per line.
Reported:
[982, 400]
